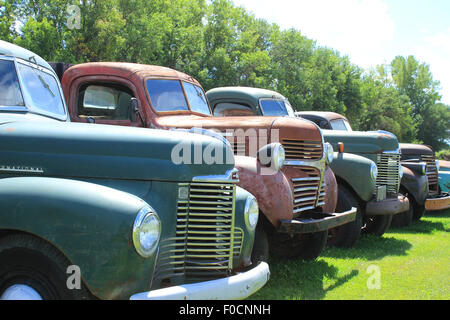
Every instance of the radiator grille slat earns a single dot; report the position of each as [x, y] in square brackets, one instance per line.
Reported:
[388, 172]
[206, 239]
[308, 191]
[432, 173]
[302, 150]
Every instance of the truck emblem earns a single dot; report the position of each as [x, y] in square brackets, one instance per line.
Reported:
[20, 169]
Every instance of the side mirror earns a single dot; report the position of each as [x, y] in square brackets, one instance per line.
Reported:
[134, 109]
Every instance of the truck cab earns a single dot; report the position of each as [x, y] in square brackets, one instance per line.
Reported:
[103, 212]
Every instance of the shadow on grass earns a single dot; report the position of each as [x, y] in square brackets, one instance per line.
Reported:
[370, 247]
[424, 225]
[303, 280]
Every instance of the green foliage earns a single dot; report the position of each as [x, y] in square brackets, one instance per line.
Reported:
[443, 155]
[224, 45]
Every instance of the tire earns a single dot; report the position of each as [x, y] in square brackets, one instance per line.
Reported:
[306, 246]
[347, 234]
[418, 211]
[377, 225]
[403, 219]
[31, 263]
[260, 250]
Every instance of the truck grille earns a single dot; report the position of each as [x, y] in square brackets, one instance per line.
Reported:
[432, 173]
[206, 239]
[388, 172]
[307, 191]
[302, 150]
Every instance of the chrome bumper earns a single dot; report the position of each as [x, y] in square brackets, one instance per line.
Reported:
[438, 203]
[235, 287]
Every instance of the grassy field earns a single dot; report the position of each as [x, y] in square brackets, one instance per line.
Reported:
[409, 263]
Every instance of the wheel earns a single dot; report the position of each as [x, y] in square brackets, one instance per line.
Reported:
[260, 250]
[31, 269]
[306, 246]
[403, 219]
[376, 225]
[347, 234]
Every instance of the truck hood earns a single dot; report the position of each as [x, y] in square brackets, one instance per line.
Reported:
[61, 149]
[287, 128]
[362, 141]
[415, 149]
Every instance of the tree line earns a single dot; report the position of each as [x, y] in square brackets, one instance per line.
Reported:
[221, 44]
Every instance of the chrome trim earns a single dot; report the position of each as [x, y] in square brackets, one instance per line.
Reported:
[142, 214]
[227, 177]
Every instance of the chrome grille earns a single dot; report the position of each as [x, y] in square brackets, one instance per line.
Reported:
[205, 243]
[302, 150]
[307, 191]
[432, 173]
[388, 172]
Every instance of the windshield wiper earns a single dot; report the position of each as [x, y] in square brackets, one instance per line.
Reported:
[44, 83]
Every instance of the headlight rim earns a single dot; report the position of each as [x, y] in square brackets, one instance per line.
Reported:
[137, 226]
[373, 171]
[329, 152]
[248, 202]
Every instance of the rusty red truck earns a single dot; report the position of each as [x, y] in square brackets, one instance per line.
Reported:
[296, 195]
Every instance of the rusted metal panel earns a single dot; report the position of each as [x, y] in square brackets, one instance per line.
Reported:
[438, 203]
[316, 222]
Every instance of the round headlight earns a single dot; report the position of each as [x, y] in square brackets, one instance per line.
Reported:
[400, 172]
[373, 171]
[329, 152]
[146, 232]
[438, 165]
[251, 212]
[278, 157]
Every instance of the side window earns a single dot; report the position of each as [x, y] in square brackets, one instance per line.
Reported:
[227, 109]
[105, 102]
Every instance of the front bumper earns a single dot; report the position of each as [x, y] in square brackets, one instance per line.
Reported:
[316, 222]
[235, 287]
[440, 202]
[387, 206]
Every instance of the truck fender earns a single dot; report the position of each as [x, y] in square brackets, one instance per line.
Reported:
[272, 191]
[355, 171]
[415, 184]
[90, 224]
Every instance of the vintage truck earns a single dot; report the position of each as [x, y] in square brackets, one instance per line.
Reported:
[295, 190]
[419, 174]
[437, 199]
[103, 212]
[361, 175]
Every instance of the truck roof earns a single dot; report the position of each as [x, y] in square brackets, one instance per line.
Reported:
[125, 69]
[328, 115]
[244, 93]
[12, 50]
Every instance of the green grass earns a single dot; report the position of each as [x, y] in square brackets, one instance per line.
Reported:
[414, 263]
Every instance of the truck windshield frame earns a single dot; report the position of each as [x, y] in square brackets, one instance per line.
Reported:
[35, 82]
[176, 96]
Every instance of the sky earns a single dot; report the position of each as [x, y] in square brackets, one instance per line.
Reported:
[370, 32]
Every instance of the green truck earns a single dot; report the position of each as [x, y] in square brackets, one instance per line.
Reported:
[103, 212]
[366, 165]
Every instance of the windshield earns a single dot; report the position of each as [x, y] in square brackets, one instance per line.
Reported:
[340, 124]
[175, 95]
[275, 108]
[9, 85]
[41, 90]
